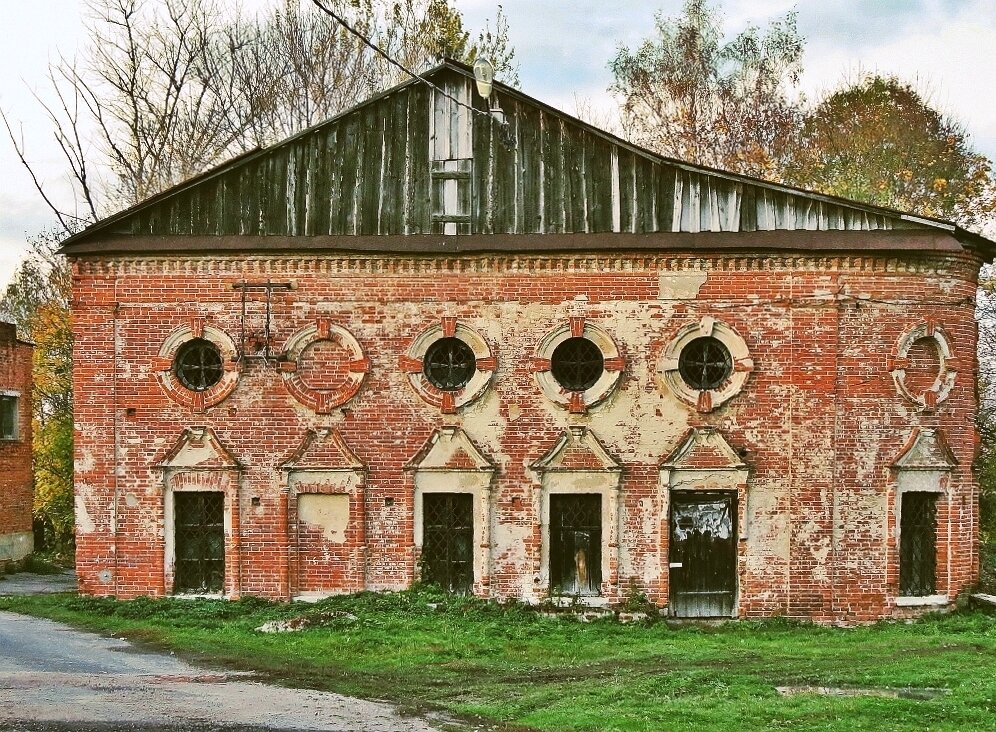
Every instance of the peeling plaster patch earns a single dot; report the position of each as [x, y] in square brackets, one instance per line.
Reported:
[514, 412]
[85, 463]
[681, 285]
[84, 523]
[648, 517]
[766, 527]
[328, 512]
[131, 500]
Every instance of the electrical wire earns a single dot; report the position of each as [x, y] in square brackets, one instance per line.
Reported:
[377, 49]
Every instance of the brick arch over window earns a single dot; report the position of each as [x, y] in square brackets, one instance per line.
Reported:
[412, 363]
[740, 366]
[164, 365]
[613, 364]
[324, 367]
[926, 390]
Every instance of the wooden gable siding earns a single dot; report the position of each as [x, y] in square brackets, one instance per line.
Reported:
[414, 162]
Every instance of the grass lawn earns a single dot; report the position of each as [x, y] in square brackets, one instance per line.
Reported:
[513, 666]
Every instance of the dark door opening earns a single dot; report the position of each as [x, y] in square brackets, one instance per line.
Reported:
[576, 544]
[918, 544]
[448, 541]
[199, 531]
[703, 555]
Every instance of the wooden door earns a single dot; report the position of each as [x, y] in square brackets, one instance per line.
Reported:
[703, 555]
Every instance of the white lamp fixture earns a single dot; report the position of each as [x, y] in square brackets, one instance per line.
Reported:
[484, 74]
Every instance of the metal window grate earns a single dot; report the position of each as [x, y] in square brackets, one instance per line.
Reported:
[918, 544]
[577, 364]
[200, 541]
[449, 364]
[705, 363]
[576, 544]
[448, 541]
[198, 364]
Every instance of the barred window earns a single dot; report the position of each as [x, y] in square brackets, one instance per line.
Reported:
[705, 363]
[577, 364]
[198, 364]
[449, 364]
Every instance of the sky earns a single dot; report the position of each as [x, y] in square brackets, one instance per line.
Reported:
[945, 47]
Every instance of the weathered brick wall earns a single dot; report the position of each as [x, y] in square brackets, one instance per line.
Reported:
[818, 423]
[16, 485]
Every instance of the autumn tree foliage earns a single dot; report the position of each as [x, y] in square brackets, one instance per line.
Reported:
[165, 89]
[37, 301]
[880, 142]
[688, 93]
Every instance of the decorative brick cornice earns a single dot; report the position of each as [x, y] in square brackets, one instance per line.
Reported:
[962, 264]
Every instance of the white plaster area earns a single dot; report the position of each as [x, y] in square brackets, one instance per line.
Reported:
[328, 512]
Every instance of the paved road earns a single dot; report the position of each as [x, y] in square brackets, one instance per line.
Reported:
[56, 679]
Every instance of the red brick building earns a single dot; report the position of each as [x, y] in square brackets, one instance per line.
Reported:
[523, 361]
[16, 483]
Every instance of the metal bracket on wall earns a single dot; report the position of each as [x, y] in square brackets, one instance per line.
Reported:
[262, 339]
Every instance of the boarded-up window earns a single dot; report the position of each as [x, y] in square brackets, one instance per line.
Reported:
[328, 514]
[918, 544]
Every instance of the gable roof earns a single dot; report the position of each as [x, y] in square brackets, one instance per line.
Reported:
[406, 168]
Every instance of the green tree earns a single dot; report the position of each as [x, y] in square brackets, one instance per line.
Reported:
[689, 94]
[880, 142]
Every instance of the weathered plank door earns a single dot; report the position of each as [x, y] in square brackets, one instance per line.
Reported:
[918, 544]
[703, 557]
[576, 544]
[448, 541]
[199, 533]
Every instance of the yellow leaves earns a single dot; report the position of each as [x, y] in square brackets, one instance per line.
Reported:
[939, 185]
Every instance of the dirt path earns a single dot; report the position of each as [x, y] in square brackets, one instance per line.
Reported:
[57, 679]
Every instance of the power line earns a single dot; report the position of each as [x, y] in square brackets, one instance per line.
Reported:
[377, 49]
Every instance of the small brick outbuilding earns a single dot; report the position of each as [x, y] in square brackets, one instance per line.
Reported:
[523, 361]
[16, 482]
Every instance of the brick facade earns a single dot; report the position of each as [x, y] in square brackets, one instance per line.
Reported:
[16, 483]
[856, 382]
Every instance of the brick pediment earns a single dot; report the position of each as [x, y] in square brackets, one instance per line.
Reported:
[323, 449]
[450, 449]
[577, 449]
[926, 449]
[703, 448]
[198, 448]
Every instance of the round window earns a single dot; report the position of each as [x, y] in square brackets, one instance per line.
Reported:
[198, 364]
[577, 364]
[449, 364]
[705, 363]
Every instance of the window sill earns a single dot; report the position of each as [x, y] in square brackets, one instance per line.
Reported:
[922, 601]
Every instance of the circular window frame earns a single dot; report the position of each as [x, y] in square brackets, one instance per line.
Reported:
[449, 400]
[322, 400]
[613, 363]
[706, 400]
[947, 370]
[164, 366]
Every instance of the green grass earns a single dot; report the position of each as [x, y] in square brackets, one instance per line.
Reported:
[515, 667]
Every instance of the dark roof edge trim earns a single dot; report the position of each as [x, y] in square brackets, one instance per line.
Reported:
[856, 242]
